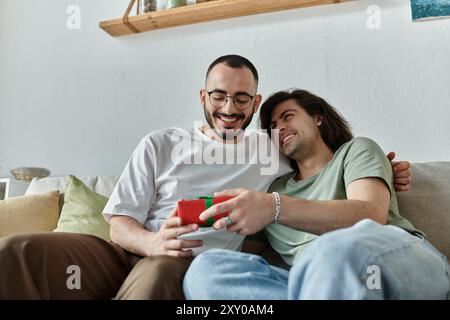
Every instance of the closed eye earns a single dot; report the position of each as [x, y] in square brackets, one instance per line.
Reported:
[288, 116]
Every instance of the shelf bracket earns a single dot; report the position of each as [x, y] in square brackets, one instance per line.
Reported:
[125, 19]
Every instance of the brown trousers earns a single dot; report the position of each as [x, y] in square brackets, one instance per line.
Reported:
[77, 266]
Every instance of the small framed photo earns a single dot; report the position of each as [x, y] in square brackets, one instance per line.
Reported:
[422, 10]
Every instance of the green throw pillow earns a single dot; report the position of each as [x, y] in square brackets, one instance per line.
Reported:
[82, 211]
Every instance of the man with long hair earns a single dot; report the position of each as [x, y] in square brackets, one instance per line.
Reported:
[334, 220]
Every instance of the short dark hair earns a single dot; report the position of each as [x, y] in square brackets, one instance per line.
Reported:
[235, 61]
[334, 130]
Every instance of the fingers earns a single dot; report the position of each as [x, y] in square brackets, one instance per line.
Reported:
[403, 181]
[219, 224]
[174, 212]
[219, 208]
[391, 155]
[171, 222]
[239, 228]
[174, 232]
[401, 187]
[402, 165]
[403, 174]
[234, 228]
[180, 253]
[229, 192]
[178, 244]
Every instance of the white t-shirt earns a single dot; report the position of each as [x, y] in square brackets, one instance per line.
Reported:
[174, 164]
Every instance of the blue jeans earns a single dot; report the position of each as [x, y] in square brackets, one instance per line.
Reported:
[365, 261]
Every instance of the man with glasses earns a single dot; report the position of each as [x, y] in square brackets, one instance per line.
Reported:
[218, 99]
[147, 258]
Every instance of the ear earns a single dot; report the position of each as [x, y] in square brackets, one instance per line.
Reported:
[257, 102]
[202, 96]
[319, 119]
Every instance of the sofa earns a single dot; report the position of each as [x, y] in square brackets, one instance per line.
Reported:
[426, 205]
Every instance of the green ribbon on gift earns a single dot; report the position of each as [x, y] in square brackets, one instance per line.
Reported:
[208, 203]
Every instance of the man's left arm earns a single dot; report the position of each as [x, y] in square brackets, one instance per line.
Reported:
[251, 211]
[367, 198]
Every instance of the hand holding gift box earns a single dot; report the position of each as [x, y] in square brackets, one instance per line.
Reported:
[190, 210]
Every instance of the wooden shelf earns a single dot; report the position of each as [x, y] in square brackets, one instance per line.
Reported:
[202, 12]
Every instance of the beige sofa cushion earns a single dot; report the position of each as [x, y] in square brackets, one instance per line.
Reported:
[26, 214]
[427, 204]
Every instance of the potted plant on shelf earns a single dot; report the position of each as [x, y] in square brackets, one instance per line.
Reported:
[175, 3]
[149, 5]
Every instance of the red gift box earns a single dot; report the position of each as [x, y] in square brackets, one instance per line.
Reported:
[190, 210]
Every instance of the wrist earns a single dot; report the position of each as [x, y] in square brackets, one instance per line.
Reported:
[145, 243]
[277, 204]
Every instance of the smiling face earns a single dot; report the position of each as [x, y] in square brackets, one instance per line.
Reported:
[229, 81]
[298, 131]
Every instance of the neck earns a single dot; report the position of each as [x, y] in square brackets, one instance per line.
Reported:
[311, 162]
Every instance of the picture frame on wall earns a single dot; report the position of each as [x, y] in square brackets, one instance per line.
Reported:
[423, 10]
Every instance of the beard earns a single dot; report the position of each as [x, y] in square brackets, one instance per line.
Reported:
[300, 149]
[291, 152]
[294, 148]
[228, 134]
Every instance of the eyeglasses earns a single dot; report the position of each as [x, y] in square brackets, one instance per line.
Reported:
[218, 99]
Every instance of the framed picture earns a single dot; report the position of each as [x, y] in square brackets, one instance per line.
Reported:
[430, 9]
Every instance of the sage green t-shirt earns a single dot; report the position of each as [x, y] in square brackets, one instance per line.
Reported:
[356, 159]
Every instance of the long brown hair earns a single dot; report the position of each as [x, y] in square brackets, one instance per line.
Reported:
[334, 130]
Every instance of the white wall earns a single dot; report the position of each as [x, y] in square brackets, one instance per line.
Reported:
[79, 101]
